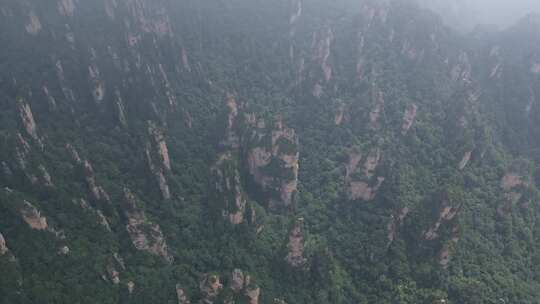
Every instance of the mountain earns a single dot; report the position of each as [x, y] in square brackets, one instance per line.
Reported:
[209, 151]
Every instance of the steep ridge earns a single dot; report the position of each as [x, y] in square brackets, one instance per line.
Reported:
[265, 152]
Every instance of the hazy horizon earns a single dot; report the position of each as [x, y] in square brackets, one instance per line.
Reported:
[466, 14]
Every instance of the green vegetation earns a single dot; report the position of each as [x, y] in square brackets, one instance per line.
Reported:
[442, 228]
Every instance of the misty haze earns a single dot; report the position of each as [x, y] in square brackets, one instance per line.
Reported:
[269, 152]
[466, 14]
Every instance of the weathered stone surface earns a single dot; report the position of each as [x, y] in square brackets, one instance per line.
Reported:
[64, 250]
[295, 246]
[210, 286]
[282, 153]
[33, 217]
[66, 7]
[3, 247]
[229, 189]
[396, 220]
[516, 183]
[181, 295]
[97, 192]
[145, 235]
[27, 118]
[322, 46]
[114, 275]
[378, 107]
[363, 186]
[446, 214]
[130, 287]
[408, 118]
[237, 280]
[157, 150]
[34, 25]
[253, 294]
[465, 160]
[45, 177]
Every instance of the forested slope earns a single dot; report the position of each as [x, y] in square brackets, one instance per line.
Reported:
[182, 151]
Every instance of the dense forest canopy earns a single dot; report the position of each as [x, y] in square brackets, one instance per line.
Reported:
[250, 151]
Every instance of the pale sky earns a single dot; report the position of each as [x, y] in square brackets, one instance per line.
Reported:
[467, 13]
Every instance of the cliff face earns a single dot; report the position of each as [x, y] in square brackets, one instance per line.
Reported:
[144, 234]
[266, 155]
[135, 131]
[3, 247]
[295, 246]
[33, 217]
[273, 160]
[361, 180]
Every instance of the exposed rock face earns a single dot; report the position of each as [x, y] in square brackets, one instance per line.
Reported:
[461, 72]
[226, 172]
[98, 193]
[295, 256]
[64, 250]
[102, 220]
[237, 280]
[408, 118]
[130, 287]
[120, 108]
[50, 98]
[241, 288]
[297, 12]
[322, 41]
[28, 120]
[229, 189]
[317, 90]
[163, 185]
[241, 283]
[161, 145]
[45, 176]
[273, 162]
[74, 154]
[34, 25]
[157, 154]
[396, 220]
[447, 213]
[22, 150]
[98, 91]
[340, 114]
[253, 294]
[232, 139]
[512, 180]
[114, 275]
[110, 6]
[33, 217]
[363, 185]
[446, 250]
[378, 107]
[516, 185]
[181, 295]
[3, 247]
[119, 260]
[185, 60]
[66, 7]
[6, 170]
[145, 235]
[210, 287]
[465, 160]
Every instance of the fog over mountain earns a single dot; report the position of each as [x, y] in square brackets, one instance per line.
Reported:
[269, 152]
[465, 14]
